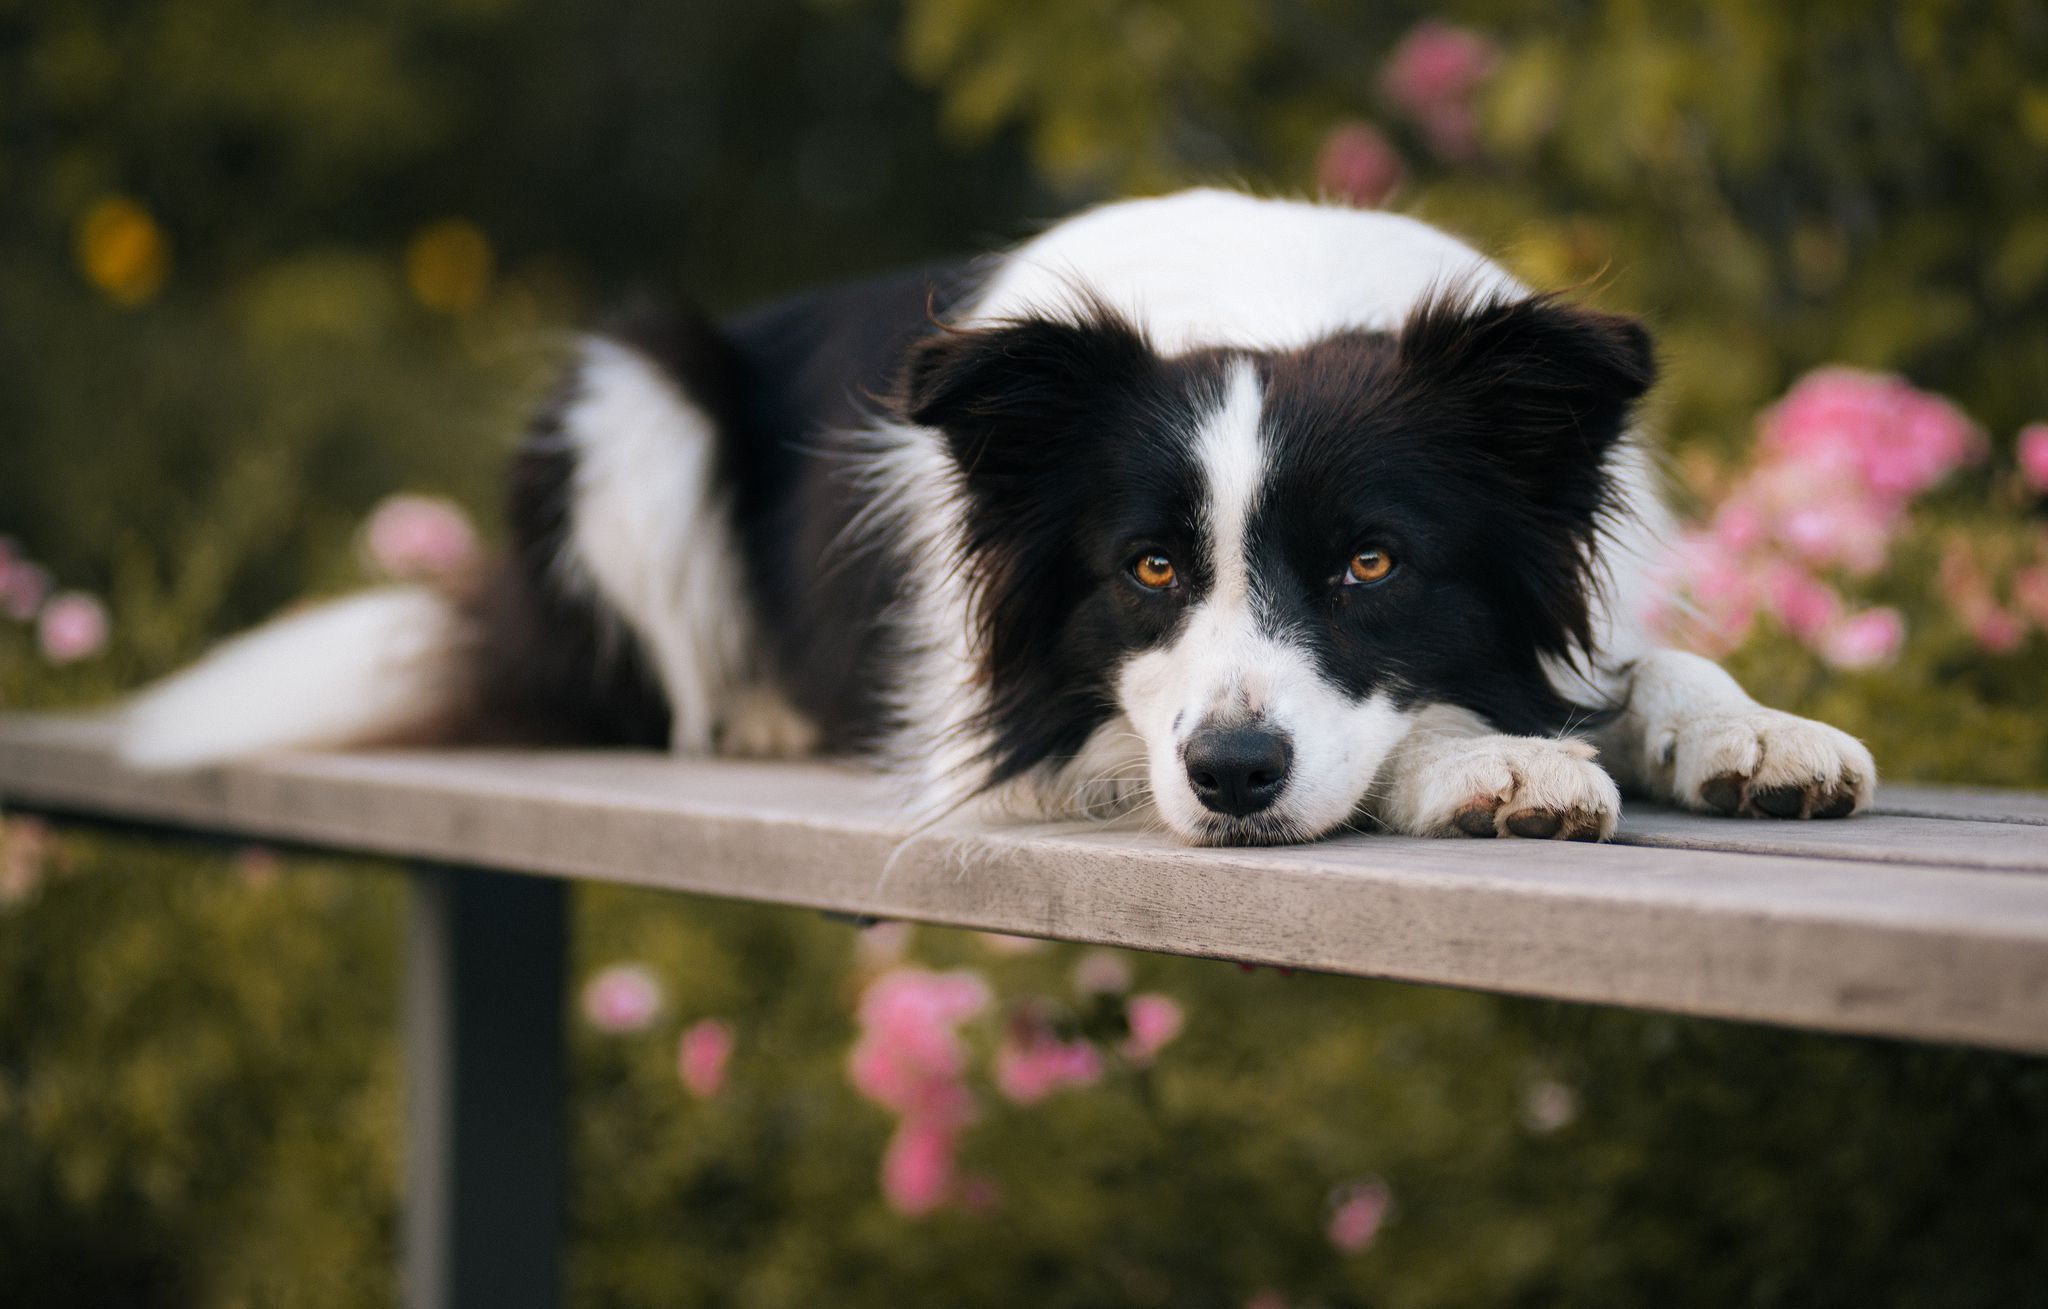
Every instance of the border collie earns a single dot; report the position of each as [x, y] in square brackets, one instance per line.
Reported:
[1265, 519]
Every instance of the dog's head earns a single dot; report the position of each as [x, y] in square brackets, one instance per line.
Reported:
[1267, 562]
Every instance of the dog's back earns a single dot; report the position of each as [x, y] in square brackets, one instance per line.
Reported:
[682, 530]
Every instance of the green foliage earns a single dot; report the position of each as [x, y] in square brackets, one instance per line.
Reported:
[137, 1127]
[267, 262]
[1776, 186]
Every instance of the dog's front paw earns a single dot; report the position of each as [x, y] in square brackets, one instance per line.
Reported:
[1765, 763]
[1522, 786]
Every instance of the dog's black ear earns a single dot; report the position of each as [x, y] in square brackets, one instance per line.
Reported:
[1009, 398]
[1544, 387]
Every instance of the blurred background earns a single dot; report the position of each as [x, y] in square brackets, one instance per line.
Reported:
[277, 279]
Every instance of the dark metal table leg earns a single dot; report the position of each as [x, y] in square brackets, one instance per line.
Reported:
[485, 1091]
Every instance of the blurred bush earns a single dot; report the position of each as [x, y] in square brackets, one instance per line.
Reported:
[266, 263]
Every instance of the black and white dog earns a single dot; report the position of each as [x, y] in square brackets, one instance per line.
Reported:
[1273, 518]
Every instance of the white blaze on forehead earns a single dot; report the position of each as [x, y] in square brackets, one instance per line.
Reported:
[1232, 456]
[1226, 666]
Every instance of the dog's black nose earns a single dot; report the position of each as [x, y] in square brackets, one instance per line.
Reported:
[1237, 770]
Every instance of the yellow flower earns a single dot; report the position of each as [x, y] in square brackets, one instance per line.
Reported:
[448, 266]
[122, 251]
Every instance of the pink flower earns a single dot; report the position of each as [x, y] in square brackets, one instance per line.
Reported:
[418, 536]
[909, 1055]
[702, 1055]
[1873, 430]
[1865, 640]
[1032, 1062]
[1359, 1211]
[23, 587]
[1358, 165]
[910, 1059]
[1998, 630]
[893, 1078]
[622, 998]
[1029, 1072]
[917, 1168]
[73, 626]
[1720, 596]
[1839, 530]
[1739, 526]
[1155, 1021]
[915, 1001]
[1432, 76]
[1100, 972]
[2033, 457]
[1266, 1299]
[1806, 606]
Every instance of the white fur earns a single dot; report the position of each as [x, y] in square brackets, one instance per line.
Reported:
[1233, 457]
[760, 723]
[1689, 724]
[916, 502]
[651, 533]
[375, 666]
[1452, 776]
[1219, 268]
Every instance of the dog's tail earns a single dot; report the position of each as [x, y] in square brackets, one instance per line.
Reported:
[381, 667]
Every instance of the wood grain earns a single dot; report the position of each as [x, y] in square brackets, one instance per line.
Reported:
[1859, 926]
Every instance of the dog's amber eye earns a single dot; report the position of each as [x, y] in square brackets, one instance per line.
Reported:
[1154, 571]
[1369, 565]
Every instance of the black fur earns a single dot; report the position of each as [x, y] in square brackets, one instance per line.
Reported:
[1472, 444]
[779, 382]
[1469, 444]
[810, 370]
[1056, 425]
[551, 666]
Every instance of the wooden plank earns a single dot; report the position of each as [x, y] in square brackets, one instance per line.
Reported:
[1842, 944]
[486, 1082]
[1949, 841]
[1979, 804]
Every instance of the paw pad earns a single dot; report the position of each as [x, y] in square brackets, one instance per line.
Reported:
[1532, 788]
[1770, 765]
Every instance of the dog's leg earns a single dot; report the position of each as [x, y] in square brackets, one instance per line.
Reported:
[1454, 776]
[1690, 735]
[650, 530]
[759, 722]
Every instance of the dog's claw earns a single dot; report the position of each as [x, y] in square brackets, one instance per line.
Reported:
[1780, 801]
[1840, 805]
[1723, 794]
[1477, 821]
[1535, 824]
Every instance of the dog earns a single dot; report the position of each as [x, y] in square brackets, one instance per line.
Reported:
[1262, 518]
